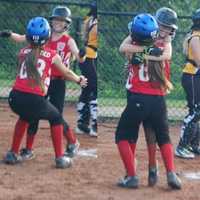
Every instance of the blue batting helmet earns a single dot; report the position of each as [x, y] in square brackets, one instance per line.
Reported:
[144, 29]
[38, 31]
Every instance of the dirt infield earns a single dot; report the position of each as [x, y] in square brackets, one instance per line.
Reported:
[90, 178]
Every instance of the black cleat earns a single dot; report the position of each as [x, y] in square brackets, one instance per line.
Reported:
[72, 149]
[153, 176]
[63, 162]
[11, 158]
[173, 181]
[129, 182]
[26, 154]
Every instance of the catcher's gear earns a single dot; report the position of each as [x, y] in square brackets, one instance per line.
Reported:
[144, 29]
[61, 12]
[38, 31]
[5, 33]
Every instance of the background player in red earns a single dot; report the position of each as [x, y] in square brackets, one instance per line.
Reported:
[147, 88]
[27, 96]
[167, 20]
[65, 46]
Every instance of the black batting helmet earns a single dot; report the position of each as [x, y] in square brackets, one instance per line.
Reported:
[61, 12]
[167, 17]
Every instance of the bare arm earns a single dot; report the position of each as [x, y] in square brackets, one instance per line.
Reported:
[195, 45]
[17, 37]
[69, 74]
[127, 47]
[74, 49]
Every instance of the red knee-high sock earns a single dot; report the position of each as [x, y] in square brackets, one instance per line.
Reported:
[57, 138]
[152, 154]
[127, 156]
[19, 131]
[70, 136]
[29, 141]
[133, 147]
[168, 156]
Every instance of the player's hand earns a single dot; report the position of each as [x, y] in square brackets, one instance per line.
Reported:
[82, 81]
[154, 51]
[137, 59]
[5, 33]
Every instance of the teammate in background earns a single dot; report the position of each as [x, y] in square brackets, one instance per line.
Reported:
[148, 84]
[65, 46]
[87, 105]
[27, 96]
[190, 134]
[167, 20]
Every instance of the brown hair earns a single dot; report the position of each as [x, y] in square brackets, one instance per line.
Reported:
[30, 61]
[157, 74]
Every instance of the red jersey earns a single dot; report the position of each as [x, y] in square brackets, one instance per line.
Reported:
[138, 80]
[44, 65]
[63, 50]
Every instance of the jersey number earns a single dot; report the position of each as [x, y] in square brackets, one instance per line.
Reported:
[40, 68]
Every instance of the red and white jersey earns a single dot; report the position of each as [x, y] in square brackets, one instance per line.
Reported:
[62, 48]
[44, 65]
[138, 79]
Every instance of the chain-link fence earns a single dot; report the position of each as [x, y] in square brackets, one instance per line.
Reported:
[14, 15]
[114, 16]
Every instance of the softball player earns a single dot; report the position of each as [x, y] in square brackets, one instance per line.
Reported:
[87, 105]
[147, 89]
[190, 134]
[166, 19]
[65, 46]
[27, 96]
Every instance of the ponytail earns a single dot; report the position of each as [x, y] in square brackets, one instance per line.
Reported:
[30, 61]
[157, 74]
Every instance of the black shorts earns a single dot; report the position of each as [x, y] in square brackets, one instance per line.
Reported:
[32, 107]
[149, 109]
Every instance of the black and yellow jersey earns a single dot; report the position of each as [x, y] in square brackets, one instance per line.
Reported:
[90, 30]
[190, 67]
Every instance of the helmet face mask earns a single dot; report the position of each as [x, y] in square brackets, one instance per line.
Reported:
[38, 31]
[165, 31]
[59, 25]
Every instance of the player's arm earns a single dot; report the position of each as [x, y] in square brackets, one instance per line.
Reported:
[127, 47]
[69, 74]
[18, 37]
[166, 54]
[14, 36]
[78, 54]
[195, 46]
